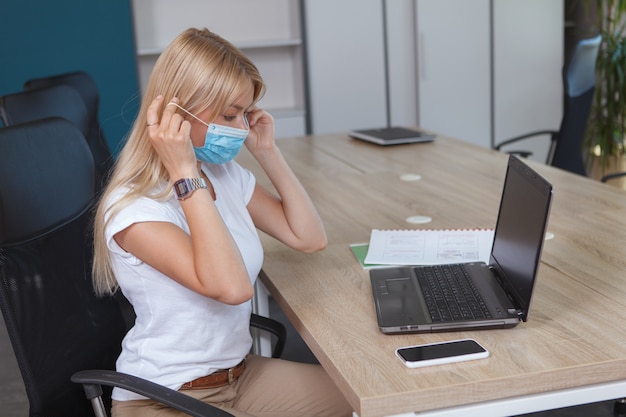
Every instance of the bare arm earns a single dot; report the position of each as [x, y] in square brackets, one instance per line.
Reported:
[291, 216]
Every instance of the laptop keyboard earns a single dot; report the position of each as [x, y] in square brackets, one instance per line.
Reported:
[451, 294]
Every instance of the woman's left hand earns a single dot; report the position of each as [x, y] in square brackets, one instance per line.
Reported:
[261, 136]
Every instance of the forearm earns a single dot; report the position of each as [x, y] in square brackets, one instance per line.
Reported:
[299, 211]
[218, 264]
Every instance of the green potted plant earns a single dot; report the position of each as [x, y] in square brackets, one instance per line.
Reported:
[606, 127]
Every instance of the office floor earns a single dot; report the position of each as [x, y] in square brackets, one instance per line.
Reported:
[13, 401]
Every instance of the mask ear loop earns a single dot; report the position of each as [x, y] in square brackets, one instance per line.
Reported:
[189, 113]
[245, 117]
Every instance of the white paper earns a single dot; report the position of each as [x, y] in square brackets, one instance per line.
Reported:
[429, 247]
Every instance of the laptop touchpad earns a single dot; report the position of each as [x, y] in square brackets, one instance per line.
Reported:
[395, 285]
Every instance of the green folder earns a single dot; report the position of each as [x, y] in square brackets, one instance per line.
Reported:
[360, 252]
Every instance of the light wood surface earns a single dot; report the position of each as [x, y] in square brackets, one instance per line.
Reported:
[574, 336]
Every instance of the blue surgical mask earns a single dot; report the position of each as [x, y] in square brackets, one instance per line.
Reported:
[221, 144]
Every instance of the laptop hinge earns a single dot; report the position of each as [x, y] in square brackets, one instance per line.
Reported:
[518, 310]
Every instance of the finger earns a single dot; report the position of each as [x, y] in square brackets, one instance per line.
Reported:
[152, 114]
[185, 130]
[175, 127]
[254, 115]
[168, 112]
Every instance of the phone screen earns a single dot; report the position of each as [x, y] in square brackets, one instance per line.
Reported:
[440, 350]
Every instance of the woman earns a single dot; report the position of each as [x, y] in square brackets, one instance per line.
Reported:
[176, 231]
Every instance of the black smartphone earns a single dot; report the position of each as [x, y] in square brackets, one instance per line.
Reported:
[440, 353]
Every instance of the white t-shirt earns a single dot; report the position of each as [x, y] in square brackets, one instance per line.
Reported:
[180, 335]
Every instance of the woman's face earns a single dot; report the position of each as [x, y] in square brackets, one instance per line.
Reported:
[233, 116]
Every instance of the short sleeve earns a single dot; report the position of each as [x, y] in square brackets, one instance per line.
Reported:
[143, 209]
[248, 184]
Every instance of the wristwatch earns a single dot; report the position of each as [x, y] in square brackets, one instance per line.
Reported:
[185, 186]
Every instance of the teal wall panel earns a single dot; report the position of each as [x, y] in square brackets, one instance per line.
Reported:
[39, 38]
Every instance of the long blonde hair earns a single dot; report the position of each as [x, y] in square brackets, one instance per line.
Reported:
[203, 71]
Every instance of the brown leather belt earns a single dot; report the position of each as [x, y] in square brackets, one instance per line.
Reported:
[218, 378]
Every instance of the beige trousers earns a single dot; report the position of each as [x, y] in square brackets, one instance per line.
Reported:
[267, 388]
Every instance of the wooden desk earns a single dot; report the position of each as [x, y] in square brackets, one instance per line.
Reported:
[571, 351]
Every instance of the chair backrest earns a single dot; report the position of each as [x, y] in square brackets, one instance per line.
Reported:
[56, 324]
[57, 101]
[85, 85]
[579, 80]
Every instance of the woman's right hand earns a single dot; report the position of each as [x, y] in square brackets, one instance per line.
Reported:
[170, 137]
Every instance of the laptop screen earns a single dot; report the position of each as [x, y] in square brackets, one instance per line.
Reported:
[520, 231]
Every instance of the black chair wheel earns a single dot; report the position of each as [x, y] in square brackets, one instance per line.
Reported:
[619, 408]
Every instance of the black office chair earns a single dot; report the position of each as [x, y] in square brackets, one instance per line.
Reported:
[579, 82]
[60, 331]
[54, 101]
[86, 86]
[57, 101]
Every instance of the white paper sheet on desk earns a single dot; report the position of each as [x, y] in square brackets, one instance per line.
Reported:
[429, 247]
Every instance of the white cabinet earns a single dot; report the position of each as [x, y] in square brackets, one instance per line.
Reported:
[528, 85]
[454, 68]
[489, 70]
[478, 70]
[346, 70]
[268, 32]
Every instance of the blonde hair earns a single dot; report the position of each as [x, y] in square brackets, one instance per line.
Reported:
[203, 71]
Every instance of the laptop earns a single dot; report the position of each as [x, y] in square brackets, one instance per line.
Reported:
[392, 136]
[405, 303]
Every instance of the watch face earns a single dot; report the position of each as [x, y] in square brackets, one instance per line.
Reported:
[181, 188]
[185, 186]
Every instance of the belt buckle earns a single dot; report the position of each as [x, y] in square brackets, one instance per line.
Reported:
[231, 376]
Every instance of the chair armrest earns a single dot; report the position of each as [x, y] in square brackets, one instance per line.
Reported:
[93, 379]
[274, 327]
[552, 134]
[612, 176]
